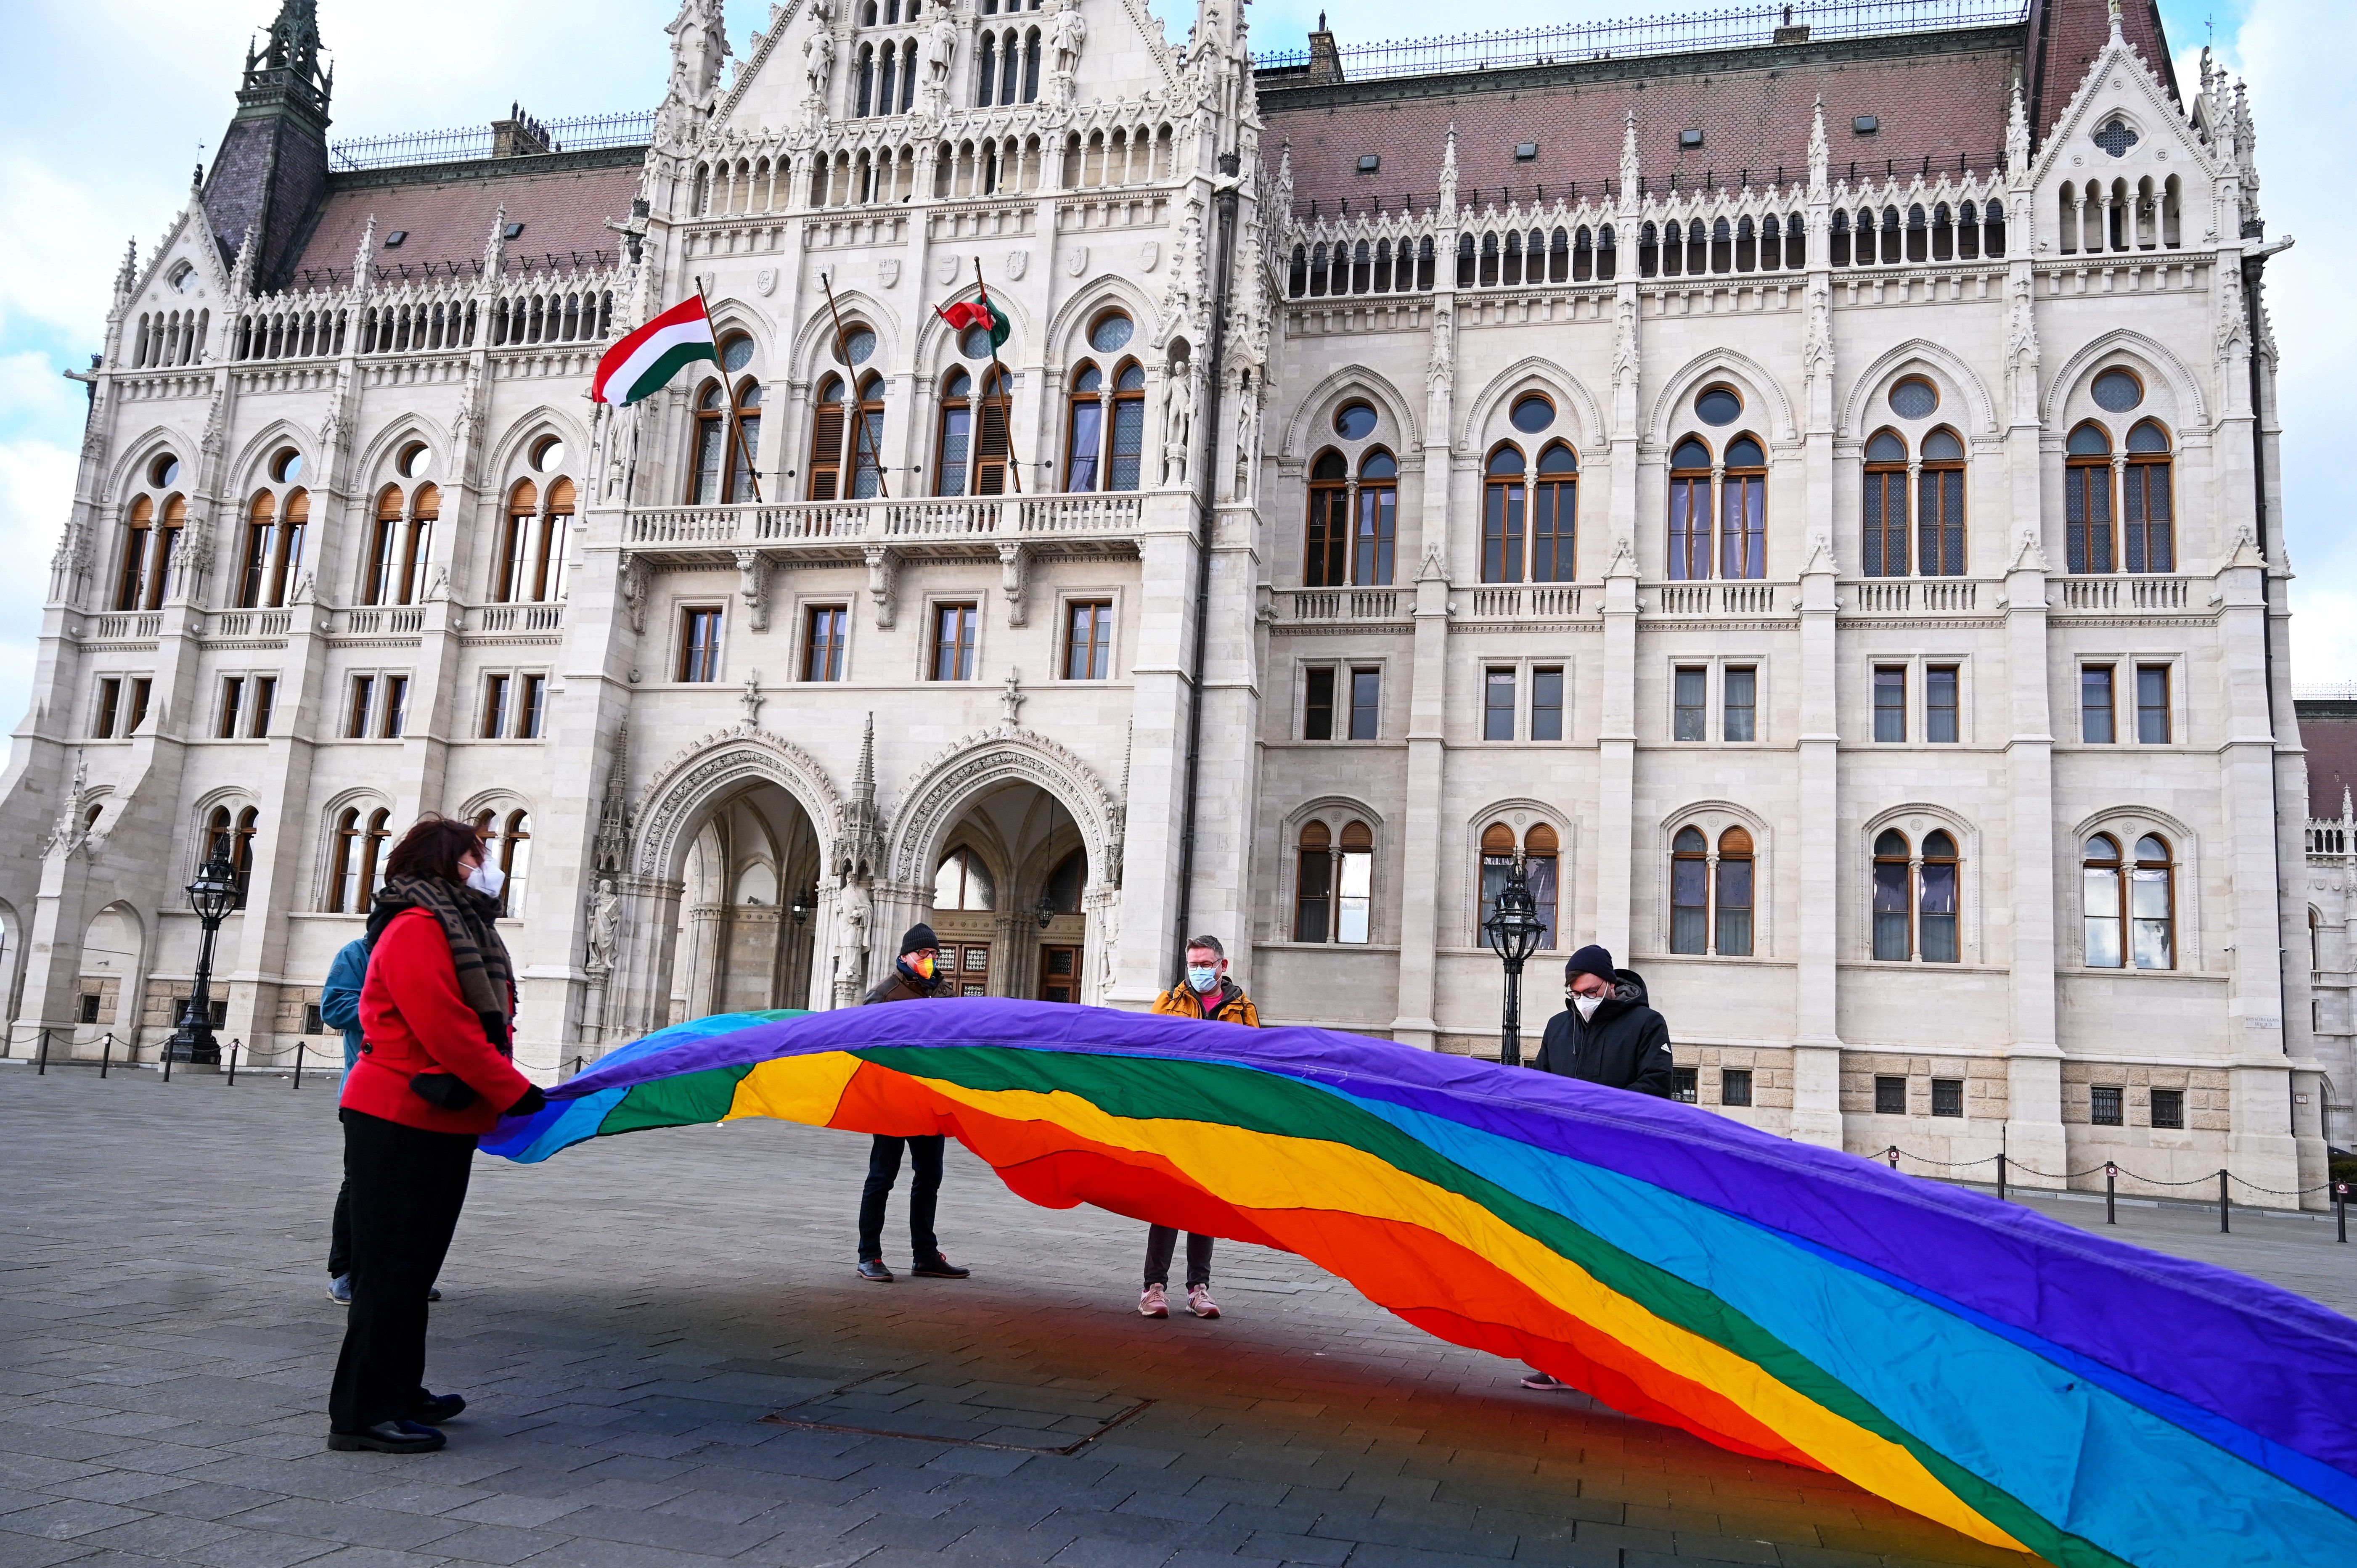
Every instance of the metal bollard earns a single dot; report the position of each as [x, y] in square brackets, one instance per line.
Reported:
[298, 1064]
[1892, 1153]
[2110, 1193]
[2224, 1226]
[167, 1060]
[232, 1063]
[2000, 1179]
[106, 1053]
[2341, 1207]
[42, 1067]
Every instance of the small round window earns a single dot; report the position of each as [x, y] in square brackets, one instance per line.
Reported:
[974, 344]
[858, 347]
[286, 466]
[415, 459]
[182, 277]
[1718, 405]
[1354, 420]
[163, 472]
[737, 352]
[2118, 391]
[1914, 398]
[1111, 331]
[547, 454]
[1533, 414]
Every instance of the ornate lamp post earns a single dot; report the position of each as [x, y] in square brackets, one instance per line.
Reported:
[212, 896]
[1514, 929]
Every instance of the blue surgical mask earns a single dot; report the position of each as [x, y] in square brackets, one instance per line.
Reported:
[1202, 980]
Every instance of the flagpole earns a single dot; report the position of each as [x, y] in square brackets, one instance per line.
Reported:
[1006, 406]
[728, 395]
[858, 413]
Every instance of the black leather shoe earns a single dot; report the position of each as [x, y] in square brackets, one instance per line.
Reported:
[436, 1409]
[389, 1437]
[873, 1271]
[938, 1268]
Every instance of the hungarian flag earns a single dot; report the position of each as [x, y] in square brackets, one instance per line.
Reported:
[968, 314]
[642, 364]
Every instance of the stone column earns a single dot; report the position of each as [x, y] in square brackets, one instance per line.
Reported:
[1816, 1040]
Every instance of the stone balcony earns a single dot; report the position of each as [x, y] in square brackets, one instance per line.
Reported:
[976, 527]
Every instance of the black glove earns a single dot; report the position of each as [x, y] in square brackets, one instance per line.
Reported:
[534, 1099]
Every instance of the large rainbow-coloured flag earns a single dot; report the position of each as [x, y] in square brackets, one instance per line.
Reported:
[2027, 1383]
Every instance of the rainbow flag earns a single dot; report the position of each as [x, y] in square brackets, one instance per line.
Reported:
[2025, 1382]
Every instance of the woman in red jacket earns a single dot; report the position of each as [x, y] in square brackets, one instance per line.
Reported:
[433, 1073]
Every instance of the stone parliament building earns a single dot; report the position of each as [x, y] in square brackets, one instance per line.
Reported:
[1809, 493]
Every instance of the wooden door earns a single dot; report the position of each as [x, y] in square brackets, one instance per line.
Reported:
[1059, 973]
[972, 967]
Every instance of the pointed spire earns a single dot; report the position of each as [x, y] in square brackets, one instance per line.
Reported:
[128, 277]
[495, 247]
[1818, 157]
[2017, 131]
[241, 276]
[364, 256]
[2114, 8]
[1449, 172]
[1629, 175]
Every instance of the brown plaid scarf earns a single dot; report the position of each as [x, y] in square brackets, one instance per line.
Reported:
[486, 977]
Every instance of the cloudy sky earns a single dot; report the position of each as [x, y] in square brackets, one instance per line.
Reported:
[110, 102]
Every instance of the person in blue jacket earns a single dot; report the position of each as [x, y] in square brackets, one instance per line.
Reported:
[340, 1009]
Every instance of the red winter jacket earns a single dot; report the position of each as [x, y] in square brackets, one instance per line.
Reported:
[413, 1019]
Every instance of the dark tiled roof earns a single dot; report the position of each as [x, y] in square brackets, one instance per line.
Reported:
[562, 201]
[2065, 37]
[2328, 730]
[1940, 95]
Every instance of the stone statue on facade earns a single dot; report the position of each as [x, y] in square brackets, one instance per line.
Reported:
[818, 63]
[940, 51]
[1178, 420]
[1066, 33]
[605, 925]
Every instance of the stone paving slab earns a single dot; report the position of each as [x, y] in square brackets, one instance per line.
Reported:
[623, 1319]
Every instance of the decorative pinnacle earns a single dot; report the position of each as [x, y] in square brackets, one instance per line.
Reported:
[1818, 156]
[1629, 152]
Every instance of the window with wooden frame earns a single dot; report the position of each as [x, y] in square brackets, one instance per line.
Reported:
[344, 865]
[138, 535]
[232, 834]
[531, 704]
[1546, 702]
[265, 699]
[953, 439]
[863, 450]
[2087, 501]
[1689, 892]
[992, 455]
[1940, 506]
[2152, 704]
[506, 844]
[829, 418]
[497, 689]
[385, 547]
[1505, 498]
[1313, 886]
[417, 547]
[1125, 433]
[1498, 704]
[1732, 893]
[1088, 640]
[2097, 726]
[1084, 427]
[1541, 851]
[356, 713]
[706, 470]
[2099, 895]
[232, 706]
[272, 560]
[1884, 550]
[1937, 893]
[1366, 703]
[1738, 702]
[1690, 530]
[515, 541]
[1690, 702]
[1376, 535]
[555, 536]
[1943, 711]
[1893, 908]
[2148, 516]
[824, 631]
[1326, 550]
[394, 718]
[109, 707]
[1889, 704]
[2152, 903]
[1555, 515]
[1498, 848]
[1743, 510]
[746, 449]
[699, 643]
[963, 881]
[954, 627]
[1318, 703]
[1354, 884]
[1712, 892]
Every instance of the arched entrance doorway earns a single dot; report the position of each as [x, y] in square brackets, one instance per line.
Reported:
[1006, 897]
[746, 922]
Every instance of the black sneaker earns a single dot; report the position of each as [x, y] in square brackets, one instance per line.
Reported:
[873, 1271]
[938, 1268]
[389, 1437]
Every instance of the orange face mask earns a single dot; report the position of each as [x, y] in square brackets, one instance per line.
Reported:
[921, 964]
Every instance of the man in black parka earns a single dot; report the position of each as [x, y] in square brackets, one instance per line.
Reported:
[1606, 1033]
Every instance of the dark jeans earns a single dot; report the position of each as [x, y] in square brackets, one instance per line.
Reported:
[1161, 1241]
[924, 1193]
[406, 1189]
[340, 1236]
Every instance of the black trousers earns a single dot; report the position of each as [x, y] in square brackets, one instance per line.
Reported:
[340, 1236]
[406, 1189]
[1161, 1241]
[924, 1194]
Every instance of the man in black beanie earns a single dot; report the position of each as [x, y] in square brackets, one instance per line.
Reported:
[915, 977]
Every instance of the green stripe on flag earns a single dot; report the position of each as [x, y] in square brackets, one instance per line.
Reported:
[659, 375]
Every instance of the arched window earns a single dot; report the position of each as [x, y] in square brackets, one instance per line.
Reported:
[1083, 428]
[385, 547]
[704, 478]
[749, 440]
[2146, 513]
[1541, 866]
[1743, 510]
[956, 438]
[1325, 547]
[1313, 892]
[556, 533]
[1497, 865]
[828, 416]
[131, 578]
[1733, 892]
[1885, 543]
[1370, 556]
[2087, 501]
[1936, 899]
[417, 550]
[1892, 903]
[991, 458]
[233, 834]
[2099, 884]
[1502, 498]
[964, 883]
[1354, 884]
[2153, 903]
[1554, 510]
[863, 451]
[344, 871]
[1940, 507]
[1128, 442]
[515, 541]
[1689, 515]
[1689, 892]
[508, 846]
[261, 548]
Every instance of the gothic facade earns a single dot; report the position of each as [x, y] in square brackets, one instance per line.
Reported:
[1809, 502]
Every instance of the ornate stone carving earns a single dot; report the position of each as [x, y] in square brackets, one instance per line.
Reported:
[605, 926]
[753, 587]
[1012, 562]
[680, 789]
[945, 787]
[883, 583]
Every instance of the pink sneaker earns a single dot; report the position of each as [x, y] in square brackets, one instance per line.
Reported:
[1199, 1301]
[1153, 1302]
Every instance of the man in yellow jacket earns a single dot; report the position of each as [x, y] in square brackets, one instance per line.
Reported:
[1207, 993]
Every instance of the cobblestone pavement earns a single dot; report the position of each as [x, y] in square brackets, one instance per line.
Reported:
[623, 1319]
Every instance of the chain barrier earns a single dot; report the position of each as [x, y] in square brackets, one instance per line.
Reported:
[2111, 1171]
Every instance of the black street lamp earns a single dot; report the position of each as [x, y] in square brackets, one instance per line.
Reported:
[212, 896]
[1514, 929]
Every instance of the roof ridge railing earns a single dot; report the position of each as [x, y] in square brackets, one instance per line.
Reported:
[1573, 42]
[582, 133]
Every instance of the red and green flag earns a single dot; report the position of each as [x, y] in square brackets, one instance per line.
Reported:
[968, 314]
[643, 363]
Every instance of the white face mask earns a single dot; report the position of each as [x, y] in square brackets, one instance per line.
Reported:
[1586, 1005]
[487, 879]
